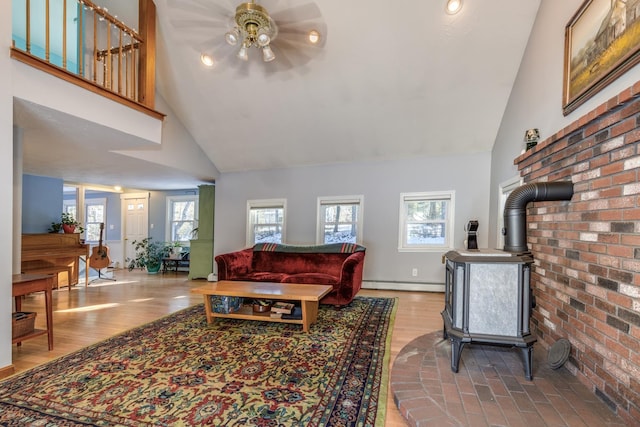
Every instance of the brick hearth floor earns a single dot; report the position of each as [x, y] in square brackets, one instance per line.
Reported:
[490, 389]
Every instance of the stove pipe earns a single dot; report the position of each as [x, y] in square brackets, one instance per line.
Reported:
[515, 213]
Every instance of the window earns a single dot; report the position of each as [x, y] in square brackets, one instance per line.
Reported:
[426, 221]
[339, 219]
[265, 221]
[70, 201]
[181, 218]
[95, 214]
[69, 206]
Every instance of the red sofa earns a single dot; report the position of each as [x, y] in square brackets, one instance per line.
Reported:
[338, 264]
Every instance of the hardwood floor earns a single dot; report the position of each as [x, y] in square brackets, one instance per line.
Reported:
[83, 316]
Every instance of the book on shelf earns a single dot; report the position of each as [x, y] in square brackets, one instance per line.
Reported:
[282, 307]
[276, 315]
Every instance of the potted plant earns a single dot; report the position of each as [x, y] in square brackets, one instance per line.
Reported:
[56, 227]
[148, 255]
[67, 223]
[173, 250]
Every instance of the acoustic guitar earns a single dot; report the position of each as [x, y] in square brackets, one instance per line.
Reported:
[100, 254]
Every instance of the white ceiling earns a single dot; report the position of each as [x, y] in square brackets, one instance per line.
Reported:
[392, 80]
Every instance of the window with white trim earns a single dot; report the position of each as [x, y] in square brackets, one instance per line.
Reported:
[426, 221]
[95, 214]
[266, 221]
[339, 219]
[182, 218]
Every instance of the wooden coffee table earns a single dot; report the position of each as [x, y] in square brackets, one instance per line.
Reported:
[308, 295]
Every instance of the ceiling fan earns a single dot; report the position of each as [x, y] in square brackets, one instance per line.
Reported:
[286, 37]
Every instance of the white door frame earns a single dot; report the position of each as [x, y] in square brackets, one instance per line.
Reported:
[504, 189]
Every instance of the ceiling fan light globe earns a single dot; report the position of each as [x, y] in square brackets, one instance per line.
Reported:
[206, 60]
[232, 36]
[267, 54]
[453, 6]
[242, 53]
[263, 37]
[314, 36]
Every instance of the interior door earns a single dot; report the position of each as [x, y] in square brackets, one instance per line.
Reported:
[135, 213]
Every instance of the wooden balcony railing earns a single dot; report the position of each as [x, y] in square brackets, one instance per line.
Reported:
[82, 43]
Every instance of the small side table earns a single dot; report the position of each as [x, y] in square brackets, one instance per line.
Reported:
[168, 263]
[23, 284]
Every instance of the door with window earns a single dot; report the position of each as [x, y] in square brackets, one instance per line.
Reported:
[135, 214]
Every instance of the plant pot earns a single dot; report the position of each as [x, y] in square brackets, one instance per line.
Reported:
[68, 228]
[153, 269]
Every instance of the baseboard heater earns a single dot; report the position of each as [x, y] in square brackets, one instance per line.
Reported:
[403, 286]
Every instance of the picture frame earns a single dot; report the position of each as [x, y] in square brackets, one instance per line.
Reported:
[602, 42]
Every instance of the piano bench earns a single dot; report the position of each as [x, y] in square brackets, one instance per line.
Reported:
[56, 270]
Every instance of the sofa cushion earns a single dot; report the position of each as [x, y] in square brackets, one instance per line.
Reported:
[296, 263]
[264, 276]
[312, 279]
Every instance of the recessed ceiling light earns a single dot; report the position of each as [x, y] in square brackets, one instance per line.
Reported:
[207, 60]
[453, 6]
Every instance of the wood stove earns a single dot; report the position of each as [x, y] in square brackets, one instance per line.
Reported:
[488, 298]
[488, 301]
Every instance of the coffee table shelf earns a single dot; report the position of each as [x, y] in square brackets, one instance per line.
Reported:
[307, 295]
[246, 313]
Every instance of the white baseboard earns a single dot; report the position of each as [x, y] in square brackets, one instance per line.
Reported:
[403, 286]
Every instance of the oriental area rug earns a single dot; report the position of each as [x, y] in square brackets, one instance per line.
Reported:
[180, 371]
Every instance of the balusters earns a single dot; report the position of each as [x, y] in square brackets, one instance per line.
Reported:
[107, 50]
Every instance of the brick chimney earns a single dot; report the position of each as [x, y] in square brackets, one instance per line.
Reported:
[587, 252]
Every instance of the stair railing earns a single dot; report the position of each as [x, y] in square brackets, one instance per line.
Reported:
[81, 38]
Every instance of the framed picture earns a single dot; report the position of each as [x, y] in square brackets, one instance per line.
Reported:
[602, 41]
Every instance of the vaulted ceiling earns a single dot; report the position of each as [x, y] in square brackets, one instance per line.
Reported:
[392, 80]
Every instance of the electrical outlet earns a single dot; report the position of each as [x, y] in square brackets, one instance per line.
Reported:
[414, 272]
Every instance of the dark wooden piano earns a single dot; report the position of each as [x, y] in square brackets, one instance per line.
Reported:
[55, 253]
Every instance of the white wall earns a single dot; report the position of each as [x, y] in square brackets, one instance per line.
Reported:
[179, 149]
[381, 184]
[536, 98]
[56, 94]
[6, 183]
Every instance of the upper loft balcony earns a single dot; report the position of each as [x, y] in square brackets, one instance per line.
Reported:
[85, 104]
[83, 43]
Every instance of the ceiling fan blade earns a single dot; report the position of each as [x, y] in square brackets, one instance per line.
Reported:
[300, 34]
[198, 24]
[210, 45]
[292, 55]
[304, 12]
[222, 53]
[198, 8]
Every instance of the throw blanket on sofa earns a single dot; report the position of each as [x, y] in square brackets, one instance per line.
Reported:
[331, 248]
